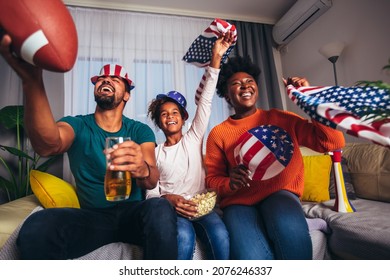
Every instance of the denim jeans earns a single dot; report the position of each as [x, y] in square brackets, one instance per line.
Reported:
[210, 230]
[67, 233]
[275, 228]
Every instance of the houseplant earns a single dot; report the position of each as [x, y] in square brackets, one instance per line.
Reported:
[18, 160]
[377, 114]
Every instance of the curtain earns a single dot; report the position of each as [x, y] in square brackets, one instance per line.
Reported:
[255, 40]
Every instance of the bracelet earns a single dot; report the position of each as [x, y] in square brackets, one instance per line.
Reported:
[144, 178]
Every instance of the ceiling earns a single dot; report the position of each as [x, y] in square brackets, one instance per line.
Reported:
[261, 11]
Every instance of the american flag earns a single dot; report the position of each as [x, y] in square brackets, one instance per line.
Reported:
[265, 150]
[199, 52]
[347, 109]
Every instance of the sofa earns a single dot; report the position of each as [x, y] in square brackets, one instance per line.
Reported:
[361, 234]
[365, 233]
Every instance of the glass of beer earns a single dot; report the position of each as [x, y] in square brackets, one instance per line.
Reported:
[117, 184]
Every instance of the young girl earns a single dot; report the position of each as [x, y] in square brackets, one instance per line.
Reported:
[180, 162]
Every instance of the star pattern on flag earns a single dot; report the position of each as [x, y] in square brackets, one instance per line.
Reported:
[346, 108]
[277, 140]
[265, 150]
[199, 52]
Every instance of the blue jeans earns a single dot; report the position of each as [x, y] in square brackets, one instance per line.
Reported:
[275, 228]
[67, 233]
[210, 230]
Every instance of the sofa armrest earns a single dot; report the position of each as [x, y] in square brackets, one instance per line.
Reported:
[13, 213]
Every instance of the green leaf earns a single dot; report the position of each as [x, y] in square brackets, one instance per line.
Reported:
[8, 187]
[45, 165]
[378, 84]
[12, 116]
[16, 152]
[5, 183]
[17, 183]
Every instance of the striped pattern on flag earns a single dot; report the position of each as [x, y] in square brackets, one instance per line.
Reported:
[265, 150]
[347, 109]
[199, 53]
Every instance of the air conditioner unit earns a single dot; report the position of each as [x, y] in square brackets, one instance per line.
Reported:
[300, 15]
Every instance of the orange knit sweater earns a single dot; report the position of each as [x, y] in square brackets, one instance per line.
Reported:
[220, 154]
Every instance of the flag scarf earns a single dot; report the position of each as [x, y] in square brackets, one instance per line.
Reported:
[199, 52]
[265, 150]
[347, 109]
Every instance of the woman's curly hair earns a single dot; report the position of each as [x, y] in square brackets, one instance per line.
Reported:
[234, 65]
[154, 109]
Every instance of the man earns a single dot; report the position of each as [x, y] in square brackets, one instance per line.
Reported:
[64, 233]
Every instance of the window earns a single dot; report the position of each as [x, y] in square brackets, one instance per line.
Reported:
[150, 47]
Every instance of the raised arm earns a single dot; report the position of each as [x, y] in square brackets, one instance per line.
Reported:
[221, 45]
[46, 136]
[206, 89]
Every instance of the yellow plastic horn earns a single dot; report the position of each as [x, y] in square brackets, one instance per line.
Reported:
[342, 203]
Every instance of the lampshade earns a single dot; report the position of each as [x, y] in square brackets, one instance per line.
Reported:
[332, 52]
[333, 49]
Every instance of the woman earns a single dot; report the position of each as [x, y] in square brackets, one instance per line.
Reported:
[180, 162]
[263, 216]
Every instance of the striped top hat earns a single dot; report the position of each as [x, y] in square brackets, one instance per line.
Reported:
[114, 70]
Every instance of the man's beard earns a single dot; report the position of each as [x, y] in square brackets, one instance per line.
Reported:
[106, 102]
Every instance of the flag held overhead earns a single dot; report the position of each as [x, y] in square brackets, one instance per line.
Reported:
[347, 108]
[199, 53]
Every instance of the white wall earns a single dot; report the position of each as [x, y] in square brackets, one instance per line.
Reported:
[11, 94]
[363, 25]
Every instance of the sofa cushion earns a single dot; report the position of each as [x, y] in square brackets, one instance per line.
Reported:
[119, 250]
[349, 188]
[369, 166]
[317, 176]
[364, 234]
[52, 191]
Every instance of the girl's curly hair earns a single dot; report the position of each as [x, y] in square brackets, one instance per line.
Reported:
[234, 65]
[154, 109]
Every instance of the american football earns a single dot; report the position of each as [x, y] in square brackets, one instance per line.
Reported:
[43, 32]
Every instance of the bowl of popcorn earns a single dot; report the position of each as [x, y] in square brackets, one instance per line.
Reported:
[206, 202]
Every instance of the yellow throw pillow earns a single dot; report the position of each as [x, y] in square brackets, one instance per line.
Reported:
[317, 177]
[52, 191]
